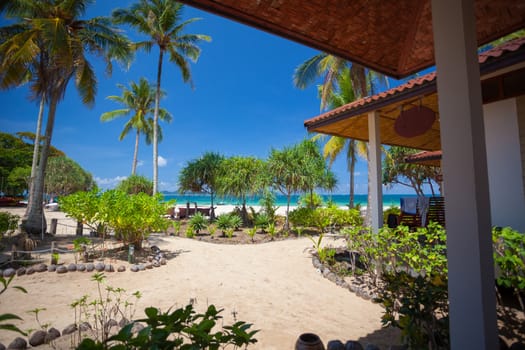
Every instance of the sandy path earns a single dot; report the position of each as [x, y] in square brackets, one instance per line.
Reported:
[272, 285]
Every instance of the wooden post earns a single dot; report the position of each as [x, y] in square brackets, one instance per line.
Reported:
[53, 229]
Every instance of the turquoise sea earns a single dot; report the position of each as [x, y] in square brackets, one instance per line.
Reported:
[280, 200]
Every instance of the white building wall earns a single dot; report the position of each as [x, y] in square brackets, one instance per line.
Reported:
[504, 162]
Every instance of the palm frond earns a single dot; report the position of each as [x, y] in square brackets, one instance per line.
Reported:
[306, 73]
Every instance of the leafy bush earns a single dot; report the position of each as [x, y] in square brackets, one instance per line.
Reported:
[5, 318]
[301, 216]
[228, 221]
[181, 329]
[133, 217]
[136, 184]
[198, 222]
[312, 201]
[509, 257]
[85, 207]
[414, 279]
[322, 218]
[8, 222]
[267, 202]
[262, 220]
[236, 221]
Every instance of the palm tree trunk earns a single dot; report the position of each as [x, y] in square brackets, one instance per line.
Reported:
[37, 136]
[352, 182]
[135, 154]
[155, 127]
[35, 148]
[34, 221]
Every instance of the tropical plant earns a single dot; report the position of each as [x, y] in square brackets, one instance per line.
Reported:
[397, 171]
[85, 207]
[182, 328]
[111, 304]
[48, 44]
[313, 200]
[343, 82]
[509, 256]
[240, 177]
[133, 217]
[262, 220]
[65, 176]
[135, 184]
[7, 317]
[198, 222]
[19, 180]
[298, 168]
[139, 101]
[201, 175]
[160, 20]
[176, 227]
[224, 222]
[8, 223]
[272, 231]
[267, 202]
[251, 232]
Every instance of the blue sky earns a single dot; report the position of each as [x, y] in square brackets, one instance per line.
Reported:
[243, 103]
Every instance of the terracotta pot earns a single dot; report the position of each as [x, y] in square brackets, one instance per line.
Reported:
[309, 341]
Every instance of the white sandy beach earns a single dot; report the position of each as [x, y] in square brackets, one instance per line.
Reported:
[272, 285]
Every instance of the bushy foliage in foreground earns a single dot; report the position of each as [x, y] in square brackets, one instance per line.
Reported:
[182, 329]
[411, 268]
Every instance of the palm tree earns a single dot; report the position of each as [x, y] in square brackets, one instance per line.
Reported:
[49, 45]
[160, 20]
[139, 100]
[343, 82]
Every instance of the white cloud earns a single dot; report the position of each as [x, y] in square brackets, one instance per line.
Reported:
[140, 163]
[162, 161]
[109, 183]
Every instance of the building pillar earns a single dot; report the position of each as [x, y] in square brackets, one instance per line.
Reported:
[375, 206]
[467, 204]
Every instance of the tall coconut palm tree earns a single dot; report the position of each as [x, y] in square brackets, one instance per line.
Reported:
[138, 100]
[343, 82]
[50, 35]
[160, 20]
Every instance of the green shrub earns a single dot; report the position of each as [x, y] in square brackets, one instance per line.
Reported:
[509, 257]
[178, 329]
[198, 222]
[136, 184]
[301, 217]
[227, 221]
[236, 221]
[262, 220]
[311, 201]
[8, 222]
[267, 202]
[133, 217]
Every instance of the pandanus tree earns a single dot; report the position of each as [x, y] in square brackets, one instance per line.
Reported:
[138, 100]
[202, 176]
[49, 45]
[241, 177]
[161, 21]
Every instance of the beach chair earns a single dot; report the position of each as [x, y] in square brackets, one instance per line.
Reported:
[436, 210]
[409, 212]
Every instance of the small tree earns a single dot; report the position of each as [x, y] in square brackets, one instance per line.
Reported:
[64, 176]
[241, 177]
[201, 176]
[135, 184]
[397, 171]
[133, 217]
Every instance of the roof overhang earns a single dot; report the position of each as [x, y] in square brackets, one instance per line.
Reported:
[391, 37]
[351, 120]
